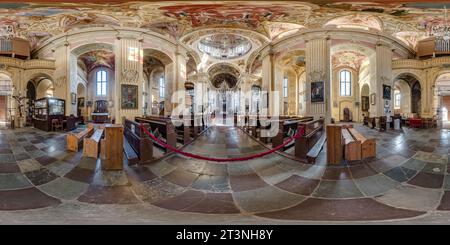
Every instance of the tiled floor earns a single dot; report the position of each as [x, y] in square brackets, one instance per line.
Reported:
[408, 182]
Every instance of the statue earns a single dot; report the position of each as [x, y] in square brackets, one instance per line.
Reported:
[20, 102]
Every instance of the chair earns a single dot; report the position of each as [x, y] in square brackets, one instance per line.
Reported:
[56, 124]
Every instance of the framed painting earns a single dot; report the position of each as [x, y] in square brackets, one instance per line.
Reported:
[81, 102]
[129, 96]
[317, 91]
[386, 92]
[73, 98]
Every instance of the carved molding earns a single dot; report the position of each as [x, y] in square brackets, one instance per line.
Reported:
[316, 76]
[130, 76]
[60, 81]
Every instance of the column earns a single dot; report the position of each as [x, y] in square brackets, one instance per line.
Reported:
[64, 83]
[318, 69]
[383, 76]
[129, 77]
[176, 93]
[268, 83]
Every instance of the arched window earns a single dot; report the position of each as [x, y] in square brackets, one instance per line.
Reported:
[162, 87]
[101, 82]
[285, 87]
[345, 82]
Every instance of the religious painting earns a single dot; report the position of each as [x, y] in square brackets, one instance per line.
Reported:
[364, 103]
[386, 92]
[317, 91]
[129, 96]
[73, 97]
[372, 99]
[81, 102]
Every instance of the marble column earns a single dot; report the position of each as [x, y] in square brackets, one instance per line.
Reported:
[128, 71]
[318, 68]
[383, 76]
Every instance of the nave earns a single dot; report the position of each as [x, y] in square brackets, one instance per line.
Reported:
[407, 182]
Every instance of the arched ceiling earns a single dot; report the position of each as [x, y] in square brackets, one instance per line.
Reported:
[94, 59]
[40, 21]
[348, 58]
[223, 72]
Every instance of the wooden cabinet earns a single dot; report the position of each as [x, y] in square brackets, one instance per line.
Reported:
[111, 149]
[45, 110]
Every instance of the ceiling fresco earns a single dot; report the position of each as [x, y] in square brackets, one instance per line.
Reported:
[94, 59]
[349, 58]
[40, 21]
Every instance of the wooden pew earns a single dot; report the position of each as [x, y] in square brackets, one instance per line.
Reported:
[138, 140]
[91, 144]
[283, 128]
[352, 149]
[165, 128]
[335, 144]
[368, 146]
[309, 145]
[74, 140]
[111, 149]
[312, 154]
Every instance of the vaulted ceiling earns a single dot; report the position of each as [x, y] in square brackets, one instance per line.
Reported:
[407, 20]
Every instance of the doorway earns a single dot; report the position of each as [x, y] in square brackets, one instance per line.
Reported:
[3, 109]
[446, 107]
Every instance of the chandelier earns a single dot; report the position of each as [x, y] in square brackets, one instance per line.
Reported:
[441, 31]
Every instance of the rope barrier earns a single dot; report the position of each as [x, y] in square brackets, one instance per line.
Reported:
[187, 154]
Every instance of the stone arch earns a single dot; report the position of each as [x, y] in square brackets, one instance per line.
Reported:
[89, 47]
[404, 89]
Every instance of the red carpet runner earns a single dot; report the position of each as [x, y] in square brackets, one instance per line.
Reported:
[297, 135]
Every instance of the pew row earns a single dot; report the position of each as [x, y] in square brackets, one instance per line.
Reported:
[309, 145]
[368, 146]
[138, 146]
[75, 140]
[91, 144]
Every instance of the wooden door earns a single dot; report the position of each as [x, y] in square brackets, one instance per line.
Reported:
[446, 104]
[2, 108]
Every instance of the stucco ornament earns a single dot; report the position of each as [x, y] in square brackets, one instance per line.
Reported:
[130, 76]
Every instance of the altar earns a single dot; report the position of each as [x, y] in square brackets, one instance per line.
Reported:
[100, 114]
[98, 117]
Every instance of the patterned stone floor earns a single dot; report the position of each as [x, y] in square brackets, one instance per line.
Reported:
[407, 182]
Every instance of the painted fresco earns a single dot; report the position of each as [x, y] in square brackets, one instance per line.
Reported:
[40, 21]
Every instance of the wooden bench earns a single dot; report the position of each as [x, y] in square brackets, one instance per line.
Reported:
[352, 148]
[137, 142]
[111, 148]
[312, 154]
[311, 142]
[91, 144]
[335, 144]
[165, 128]
[283, 128]
[368, 146]
[74, 140]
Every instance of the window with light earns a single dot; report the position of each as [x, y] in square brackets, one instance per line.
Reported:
[345, 81]
[162, 87]
[285, 87]
[397, 99]
[101, 82]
